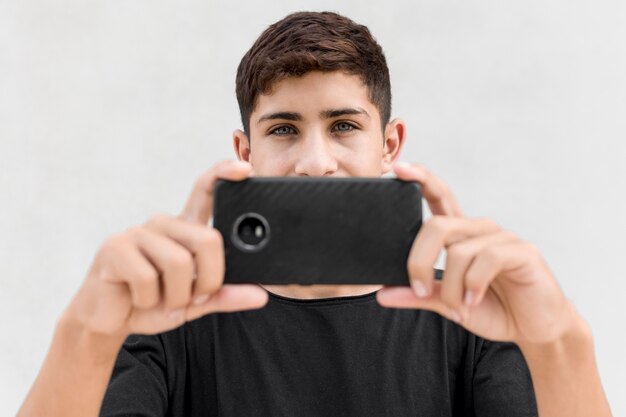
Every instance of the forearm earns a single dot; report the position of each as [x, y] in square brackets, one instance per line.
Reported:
[565, 374]
[74, 375]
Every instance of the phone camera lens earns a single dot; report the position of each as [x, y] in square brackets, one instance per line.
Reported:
[250, 232]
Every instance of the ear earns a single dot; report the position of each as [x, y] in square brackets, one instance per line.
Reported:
[394, 140]
[242, 145]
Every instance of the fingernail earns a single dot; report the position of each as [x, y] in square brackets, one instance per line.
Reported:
[403, 164]
[176, 315]
[201, 299]
[468, 299]
[456, 317]
[419, 289]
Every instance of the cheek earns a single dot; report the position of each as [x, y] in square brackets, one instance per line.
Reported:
[268, 161]
[361, 157]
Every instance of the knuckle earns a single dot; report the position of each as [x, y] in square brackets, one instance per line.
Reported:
[103, 273]
[416, 266]
[442, 187]
[490, 254]
[437, 195]
[113, 248]
[208, 238]
[459, 252]
[508, 235]
[472, 280]
[112, 240]
[211, 286]
[491, 224]
[532, 249]
[157, 220]
[146, 276]
[437, 223]
[115, 241]
[180, 260]
[133, 232]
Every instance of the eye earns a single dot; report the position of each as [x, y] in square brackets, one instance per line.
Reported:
[344, 127]
[283, 131]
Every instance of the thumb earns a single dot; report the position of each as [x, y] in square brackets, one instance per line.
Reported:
[199, 206]
[230, 298]
[404, 297]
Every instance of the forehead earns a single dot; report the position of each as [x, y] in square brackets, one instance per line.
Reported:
[315, 91]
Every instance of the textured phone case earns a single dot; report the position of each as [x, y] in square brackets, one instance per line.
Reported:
[321, 230]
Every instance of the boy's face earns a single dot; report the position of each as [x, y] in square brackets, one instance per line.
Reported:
[319, 124]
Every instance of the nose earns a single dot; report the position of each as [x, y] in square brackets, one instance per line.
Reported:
[315, 157]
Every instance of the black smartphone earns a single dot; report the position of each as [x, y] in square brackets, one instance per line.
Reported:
[316, 230]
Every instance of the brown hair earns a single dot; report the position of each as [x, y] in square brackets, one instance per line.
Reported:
[312, 41]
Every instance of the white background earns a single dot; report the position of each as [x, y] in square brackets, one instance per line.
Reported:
[110, 109]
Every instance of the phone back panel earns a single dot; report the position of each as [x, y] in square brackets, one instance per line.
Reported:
[321, 230]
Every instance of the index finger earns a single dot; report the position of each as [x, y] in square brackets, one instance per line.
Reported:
[439, 233]
[199, 206]
[440, 199]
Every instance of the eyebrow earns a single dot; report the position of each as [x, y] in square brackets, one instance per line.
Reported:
[284, 115]
[325, 114]
[328, 114]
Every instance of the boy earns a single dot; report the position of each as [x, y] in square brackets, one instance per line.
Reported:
[314, 96]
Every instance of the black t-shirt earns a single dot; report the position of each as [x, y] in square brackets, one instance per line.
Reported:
[344, 356]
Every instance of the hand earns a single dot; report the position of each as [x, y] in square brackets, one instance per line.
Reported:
[152, 278]
[495, 285]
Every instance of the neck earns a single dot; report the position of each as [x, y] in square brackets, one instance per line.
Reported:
[320, 291]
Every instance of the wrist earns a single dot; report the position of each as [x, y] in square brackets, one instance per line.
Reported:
[574, 336]
[90, 347]
[565, 374]
[74, 376]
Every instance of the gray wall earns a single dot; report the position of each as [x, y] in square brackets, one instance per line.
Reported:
[110, 109]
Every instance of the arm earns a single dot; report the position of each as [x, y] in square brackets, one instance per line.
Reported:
[500, 288]
[148, 280]
[75, 373]
[565, 375]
